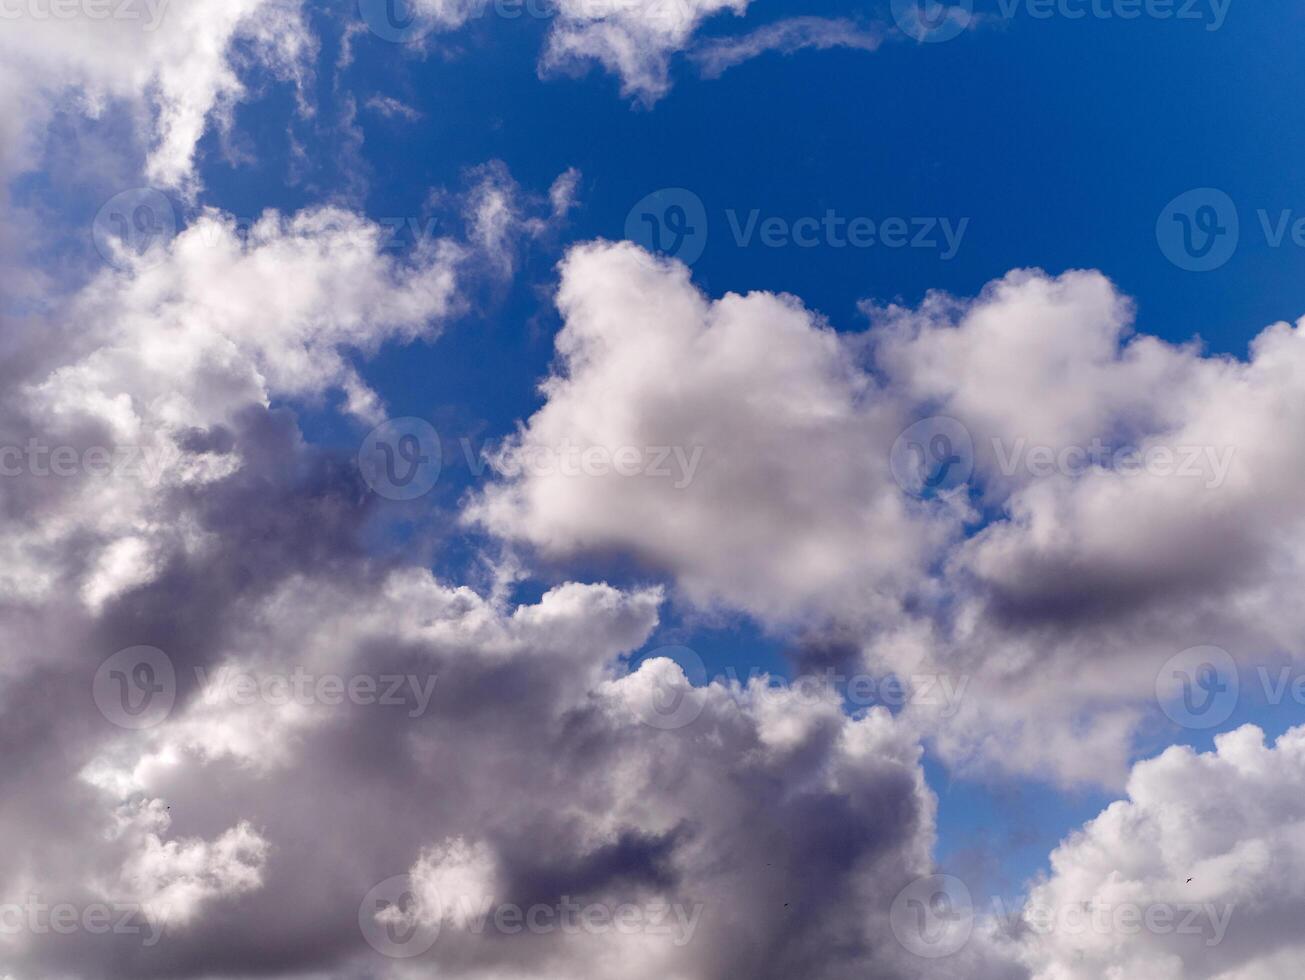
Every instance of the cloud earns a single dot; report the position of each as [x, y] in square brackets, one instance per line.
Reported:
[634, 39]
[713, 827]
[392, 108]
[1229, 820]
[751, 438]
[146, 375]
[173, 881]
[178, 64]
[1165, 519]
[1125, 499]
[242, 832]
[719, 55]
[499, 752]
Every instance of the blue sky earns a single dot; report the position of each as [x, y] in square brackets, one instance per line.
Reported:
[1061, 140]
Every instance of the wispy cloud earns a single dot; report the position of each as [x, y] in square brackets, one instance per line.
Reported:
[716, 57]
[392, 108]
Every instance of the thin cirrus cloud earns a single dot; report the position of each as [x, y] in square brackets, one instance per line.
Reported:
[716, 56]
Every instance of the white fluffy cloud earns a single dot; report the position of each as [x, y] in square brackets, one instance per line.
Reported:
[158, 363]
[1232, 822]
[172, 881]
[1096, 569]
[775, 497]
[1129, 498]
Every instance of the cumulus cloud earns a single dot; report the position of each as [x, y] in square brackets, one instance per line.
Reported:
[242, 830]
[1164, 520]
[337, 719]
[1194, 875]
[759, 838]
[1125, 498]
[173, 880]
[741, 446]
[159, 366]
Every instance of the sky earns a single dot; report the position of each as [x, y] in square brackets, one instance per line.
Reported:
[799, 489]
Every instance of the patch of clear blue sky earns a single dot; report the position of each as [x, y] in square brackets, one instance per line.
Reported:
[1060, 140]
